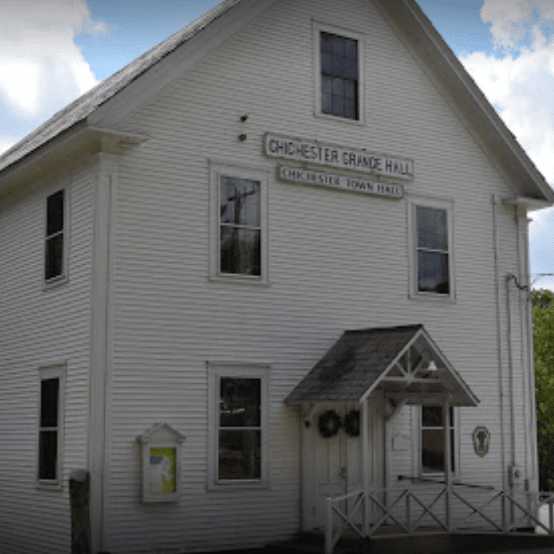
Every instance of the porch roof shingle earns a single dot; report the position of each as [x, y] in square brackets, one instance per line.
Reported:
[353, 364]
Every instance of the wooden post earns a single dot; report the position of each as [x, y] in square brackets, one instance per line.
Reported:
[79, 497]
[364, 431]
[329, 546]
[447, 456]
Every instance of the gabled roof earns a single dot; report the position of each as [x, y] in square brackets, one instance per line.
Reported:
[394, 359]
[405, 15]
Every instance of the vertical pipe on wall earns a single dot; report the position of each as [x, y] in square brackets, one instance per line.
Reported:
[447, 457]
[496, 250]
[365, 462]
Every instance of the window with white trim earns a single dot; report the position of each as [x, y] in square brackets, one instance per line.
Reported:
[431, 232]
[50, 430]
[339, 73]
[238, 425]
[239, 223]
[55, 237]
[432, 440]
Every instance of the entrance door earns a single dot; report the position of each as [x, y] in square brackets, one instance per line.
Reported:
[335, 464]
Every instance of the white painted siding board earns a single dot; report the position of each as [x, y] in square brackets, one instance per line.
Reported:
[40, 327]
[336, 261]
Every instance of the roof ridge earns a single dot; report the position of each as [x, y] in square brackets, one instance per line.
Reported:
[415, 326]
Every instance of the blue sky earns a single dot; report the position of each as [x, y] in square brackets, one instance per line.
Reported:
[64, 47]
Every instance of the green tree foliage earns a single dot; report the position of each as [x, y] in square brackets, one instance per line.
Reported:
[543, 335]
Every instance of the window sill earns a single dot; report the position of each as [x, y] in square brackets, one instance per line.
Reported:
[432, 297]
[53, 486]
[337, 119]
[239, 280]
[55, 282]
[238, 486]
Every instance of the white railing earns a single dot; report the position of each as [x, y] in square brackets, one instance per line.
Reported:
[446, 509]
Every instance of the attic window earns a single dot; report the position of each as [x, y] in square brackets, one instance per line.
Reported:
[340, 76]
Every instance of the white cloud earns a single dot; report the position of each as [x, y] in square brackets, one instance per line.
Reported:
[511, 20]
[519, 81]
[41, 67]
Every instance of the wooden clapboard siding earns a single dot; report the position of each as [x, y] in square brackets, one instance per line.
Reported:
[38, 328]
[337, 261]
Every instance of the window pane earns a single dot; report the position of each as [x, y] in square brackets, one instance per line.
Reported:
[240, 251]
[54, 212]
[339, 74]
[48, 454]
[53, 262]
[239, 455]
[432, 451]
[432, 228]
[49, 392]
[431, 416]
[433, 274]
[240, 401]
[240, 201]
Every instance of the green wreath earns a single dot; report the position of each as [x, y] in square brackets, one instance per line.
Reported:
[329, 424]
[352, 423]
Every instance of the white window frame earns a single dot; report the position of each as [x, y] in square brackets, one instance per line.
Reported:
[438, 203]
[54, 371]
[64, 277]
[217, 371]
[318, 28]
[455, 445]
[217, 171]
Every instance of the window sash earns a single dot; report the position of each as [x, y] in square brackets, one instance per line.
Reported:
[439, 428]
[419, 289]
[49, 238]
[237, 429]
[53, 466]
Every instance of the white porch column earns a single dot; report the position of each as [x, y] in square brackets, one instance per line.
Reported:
[447, 457]
[365, 462]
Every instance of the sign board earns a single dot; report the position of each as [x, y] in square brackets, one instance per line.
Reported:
[351, 159]
[340, 182]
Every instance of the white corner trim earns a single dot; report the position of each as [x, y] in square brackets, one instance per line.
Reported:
[98, 428]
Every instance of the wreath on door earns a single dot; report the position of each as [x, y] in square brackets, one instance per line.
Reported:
[352, 423]
[329, 424]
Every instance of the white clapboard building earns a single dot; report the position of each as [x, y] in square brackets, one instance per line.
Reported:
[268, 278]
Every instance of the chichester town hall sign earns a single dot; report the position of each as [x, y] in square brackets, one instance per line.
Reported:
[391, 168]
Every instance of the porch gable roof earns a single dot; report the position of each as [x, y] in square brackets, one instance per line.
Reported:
[363, 360]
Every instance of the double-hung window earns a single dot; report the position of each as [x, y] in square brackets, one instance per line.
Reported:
[339, 69]
[432, 249]
[55, 237]
[238, 425]
[239, 224]
[50, 431]
[432, 440]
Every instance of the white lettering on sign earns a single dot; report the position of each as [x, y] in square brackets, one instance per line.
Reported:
[353, 159]
[342, 182]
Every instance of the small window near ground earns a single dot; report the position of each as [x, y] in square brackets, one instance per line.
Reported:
[433, 441]
[50, 425]
[55, 241]
[340, 75]
[432, 251]
[238, 426]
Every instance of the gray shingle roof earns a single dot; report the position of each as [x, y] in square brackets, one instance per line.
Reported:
[84, 106]
[353, 364]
